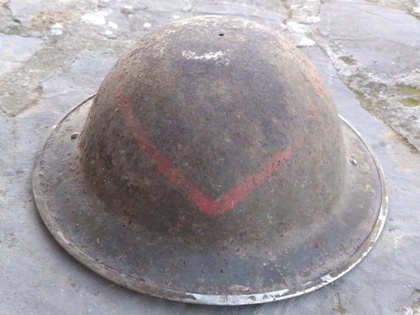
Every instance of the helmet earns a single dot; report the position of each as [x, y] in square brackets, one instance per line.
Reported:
[211, 167]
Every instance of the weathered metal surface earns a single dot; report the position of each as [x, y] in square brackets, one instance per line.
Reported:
[212, 168]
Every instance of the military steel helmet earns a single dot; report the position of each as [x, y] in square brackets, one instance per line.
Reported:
[211, 167]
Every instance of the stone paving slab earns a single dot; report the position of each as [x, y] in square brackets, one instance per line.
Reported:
[373, 58]
[54, 54]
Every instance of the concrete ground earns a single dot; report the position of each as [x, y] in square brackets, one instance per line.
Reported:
[54, 54]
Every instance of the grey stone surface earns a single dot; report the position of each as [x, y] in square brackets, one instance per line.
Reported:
[15, 50]
[54, 54]
[378, 58]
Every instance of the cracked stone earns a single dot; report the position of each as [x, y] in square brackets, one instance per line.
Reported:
[8, 25]
[262, 12]
[15, 50]
[395, 4]
[380, 38]
[371, 58]
[305, 12]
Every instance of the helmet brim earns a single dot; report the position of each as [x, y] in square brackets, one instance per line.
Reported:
[133, 255]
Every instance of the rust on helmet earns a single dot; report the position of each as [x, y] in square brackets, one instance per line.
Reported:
[188, 126]
[212, 169]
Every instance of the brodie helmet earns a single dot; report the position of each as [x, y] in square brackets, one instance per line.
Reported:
[211, 167]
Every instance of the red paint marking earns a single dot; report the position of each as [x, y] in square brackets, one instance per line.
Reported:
[317, 82]
[236, 194]
[222, 204]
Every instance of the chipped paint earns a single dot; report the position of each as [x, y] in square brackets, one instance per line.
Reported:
[63, 239]
[218, 56]
[236, 299]
[327, 278]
